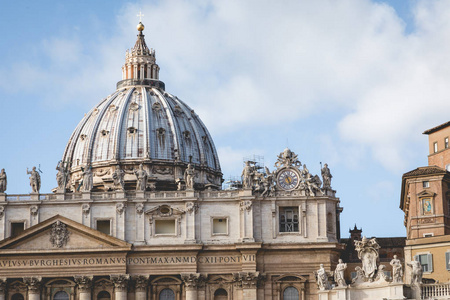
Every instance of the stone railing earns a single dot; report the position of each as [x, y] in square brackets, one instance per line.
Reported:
[436, 291]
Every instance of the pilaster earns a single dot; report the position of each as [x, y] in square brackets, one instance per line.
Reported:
[191, 281]
[34, 287]
[84, 284]
[140, 286]
[120, 286]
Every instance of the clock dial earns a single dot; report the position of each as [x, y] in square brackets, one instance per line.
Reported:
[288, 179]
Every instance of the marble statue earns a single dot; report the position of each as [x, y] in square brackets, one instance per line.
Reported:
[326, 177]
[381, 275]
[359, 278]
[62, 177]
[368, 254]
[3, 181]
[287, 158]
[267, 182]
[88, 179]
[310, 183]
[189, 175]
[247, 174]
[118, 178]
[397, 270]
[339, 273]
[141, 176]
[416, 272]
[322, 279]
[35, 180]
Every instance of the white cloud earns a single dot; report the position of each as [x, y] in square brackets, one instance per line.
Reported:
[260, 63]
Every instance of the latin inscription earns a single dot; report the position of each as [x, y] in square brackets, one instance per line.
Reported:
[148, 260]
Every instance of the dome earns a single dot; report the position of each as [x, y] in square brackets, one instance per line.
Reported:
[141, 123]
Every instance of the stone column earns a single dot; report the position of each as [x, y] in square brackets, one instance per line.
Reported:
[191, 210]
[120, 286]
[120, 220]
[249, 282]
[140, 286]
[2, 288]
[140, 224]
[84, 286]
[247, 221]
[190, 281]
[34, 287]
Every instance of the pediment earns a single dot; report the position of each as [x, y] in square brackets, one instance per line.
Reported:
[164, 211]
[426, 194]
[62, 234]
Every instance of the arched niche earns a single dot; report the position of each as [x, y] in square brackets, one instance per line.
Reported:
[102, 288]
[220, 294]
[54, 286]
[159, 283]
[216, 283]
[286, 283]
[15, 289]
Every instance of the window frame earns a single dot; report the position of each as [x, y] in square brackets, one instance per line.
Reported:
[105, 219]
[25, 227]
[227, 219]
[175, 224]
[435, 147]
[446, 142]
[428, 267]
[447, 260]
[280, 214]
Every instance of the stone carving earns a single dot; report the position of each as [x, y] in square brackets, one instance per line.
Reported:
[179, 182]
[162, 170]
[359, 278]
[310, 183]
[84, 283]
[2, 212]
[33, 284]
[2, 284]
[287, 158]
[368, 254]
[3, 181]
[59, 235]
[247, 279]
[86, 209]
[397, 270]
[139, 208]
[88, 179]
[326, 177]
[267, 183]
[118, 176]
[62, 177]
[322, 279]
[140, 283]
[34, 210]
[120, 207]
[416, 272]
[35, 180]
[381, 276]
[190, 279]
[191, 207]
[339, 273]
[246, 205]
[141, 176]
[120, 282]
[189, 175]
[247, 176]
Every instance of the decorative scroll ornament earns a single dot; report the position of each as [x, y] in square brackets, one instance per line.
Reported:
[287, 158]
[247, 279]
[86, 209]
[84, 283]
[139, 208]
[368, 254]
[59, 236]
[33, 284]
[190, 279]
[140, 282]
[34, 210]
[191, 207]
[120, 282]
[246, 205]
[120, 207]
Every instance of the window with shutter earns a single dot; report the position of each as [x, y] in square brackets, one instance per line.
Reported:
[447, 260]
[426, 260]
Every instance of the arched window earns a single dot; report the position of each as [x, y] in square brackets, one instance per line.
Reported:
[290, 293]
[220, 294]
[61, 295]
[103, 295]
[167, 294]
[17, 296]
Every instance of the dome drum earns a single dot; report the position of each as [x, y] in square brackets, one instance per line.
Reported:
[146, 82]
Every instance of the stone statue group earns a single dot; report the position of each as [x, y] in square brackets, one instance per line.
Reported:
[86, 184]
[370, 271]
[264, 182]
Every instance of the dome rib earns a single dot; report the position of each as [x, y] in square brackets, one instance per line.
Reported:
[119, 131]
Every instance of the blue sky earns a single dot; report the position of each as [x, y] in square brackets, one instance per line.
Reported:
[353, 83]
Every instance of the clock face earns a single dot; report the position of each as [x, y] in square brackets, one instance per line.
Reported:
[288, 180]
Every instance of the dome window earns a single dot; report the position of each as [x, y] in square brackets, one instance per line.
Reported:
[156, 106]
[112, 108]
[134, 106]
[95, 112]
[104, 132]
[83, 137]
[131, 130]
[187, 135]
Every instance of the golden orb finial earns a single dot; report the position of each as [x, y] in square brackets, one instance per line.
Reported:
[140, 26]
